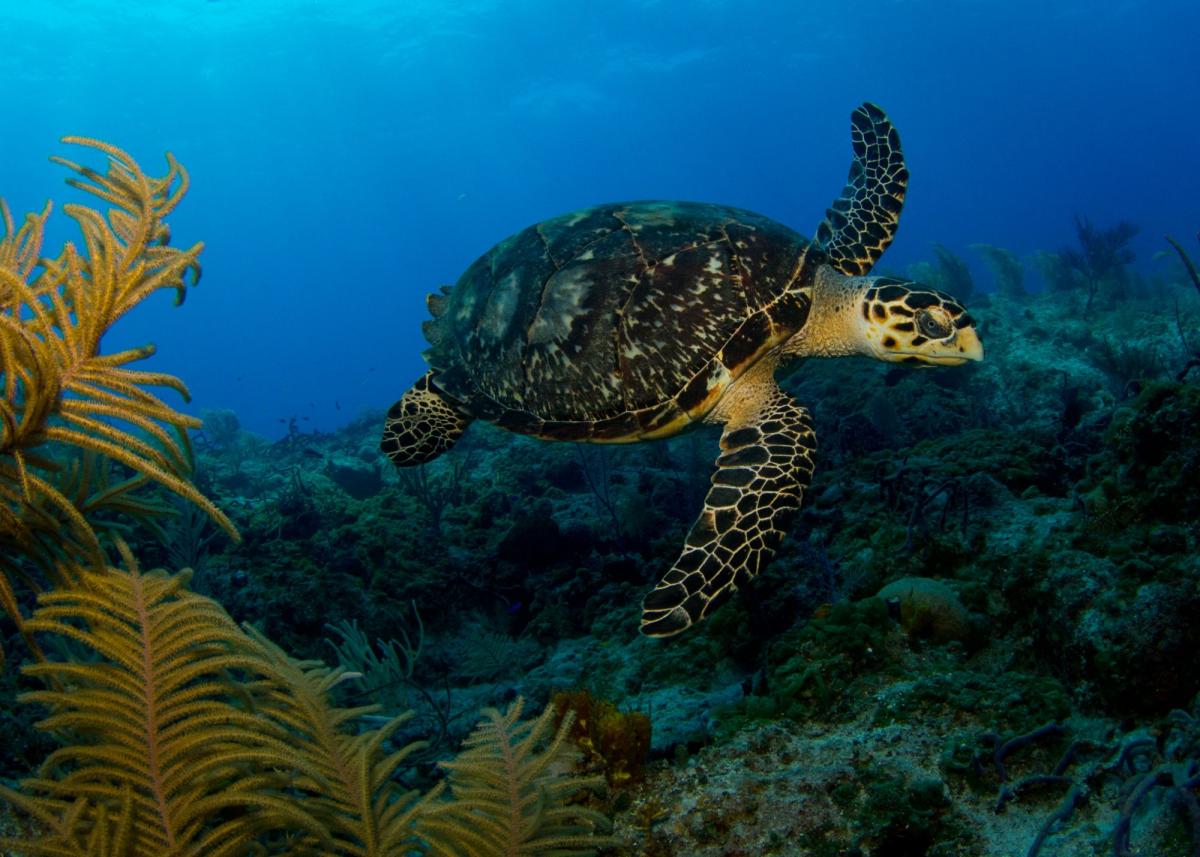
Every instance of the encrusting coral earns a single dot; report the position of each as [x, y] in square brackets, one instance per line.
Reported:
[182, 733]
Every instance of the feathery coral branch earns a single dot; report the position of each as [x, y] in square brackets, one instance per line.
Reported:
[60, 393]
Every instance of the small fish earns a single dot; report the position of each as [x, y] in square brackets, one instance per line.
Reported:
[312, 453]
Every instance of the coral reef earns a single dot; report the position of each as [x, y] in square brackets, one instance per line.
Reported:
[980, 640]
[180, 732]
[1046, 503]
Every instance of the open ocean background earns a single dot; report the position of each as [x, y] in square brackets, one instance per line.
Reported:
[346, 158]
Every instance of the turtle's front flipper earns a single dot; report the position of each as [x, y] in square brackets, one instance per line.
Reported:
[422, 425]
[765, 465]
[862, 222]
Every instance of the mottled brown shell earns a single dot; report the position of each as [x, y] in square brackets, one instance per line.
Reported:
[619, 322]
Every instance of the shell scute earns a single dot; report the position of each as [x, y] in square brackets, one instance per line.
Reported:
[676, 318]
[568, 236]
[767, 258]
[566, 369]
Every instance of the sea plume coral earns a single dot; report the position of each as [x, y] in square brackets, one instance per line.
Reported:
[162, 756]
[513, 795]
[184, 734]
[59, 393]
[181, 733]
[1102, 255]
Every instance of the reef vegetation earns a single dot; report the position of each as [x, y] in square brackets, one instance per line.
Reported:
[166, 727]
[980, 640]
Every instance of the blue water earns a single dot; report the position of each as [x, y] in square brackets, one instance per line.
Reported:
[347, 157]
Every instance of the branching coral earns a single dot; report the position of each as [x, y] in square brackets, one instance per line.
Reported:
[181, 733]
[912, 492]
[1006, 268]
[186, 735]
[436, 493]
[1137, 761]
[1177, 771]
[954, 276]
[1193, 353]
[1102, 253]
[61, 393]
[161, 751]
[1125, 364]
[510, 798]
[1187, 262]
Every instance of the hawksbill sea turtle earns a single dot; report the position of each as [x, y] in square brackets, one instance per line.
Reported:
[640, 320]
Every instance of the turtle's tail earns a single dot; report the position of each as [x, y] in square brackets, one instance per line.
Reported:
[422, 425]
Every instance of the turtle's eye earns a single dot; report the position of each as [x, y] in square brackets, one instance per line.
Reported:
[934, 323]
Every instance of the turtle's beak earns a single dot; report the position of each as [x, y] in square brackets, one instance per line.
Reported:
[969, 344]
[962, 347]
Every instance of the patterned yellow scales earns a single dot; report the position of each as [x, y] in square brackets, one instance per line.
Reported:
[639, 320]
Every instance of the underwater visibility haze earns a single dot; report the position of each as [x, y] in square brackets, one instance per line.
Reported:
[629, 567]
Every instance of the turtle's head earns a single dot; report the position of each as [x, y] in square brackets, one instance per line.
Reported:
[904, 322]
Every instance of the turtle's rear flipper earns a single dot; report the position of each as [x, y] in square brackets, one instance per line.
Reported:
[765, 465]
[422, 425]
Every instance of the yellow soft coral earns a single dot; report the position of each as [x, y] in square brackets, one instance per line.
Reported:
[57, 389]
[183, 734]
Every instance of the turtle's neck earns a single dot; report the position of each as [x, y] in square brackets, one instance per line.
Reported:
[834, 327]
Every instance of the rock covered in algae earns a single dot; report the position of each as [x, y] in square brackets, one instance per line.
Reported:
[928, 608]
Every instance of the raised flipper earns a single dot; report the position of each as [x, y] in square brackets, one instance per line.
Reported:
[863, 220]
[766, 463]
[422, 425]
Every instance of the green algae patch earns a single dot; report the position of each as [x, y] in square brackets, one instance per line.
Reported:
[1015, 701]
[825, 667]
[1157, 442]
